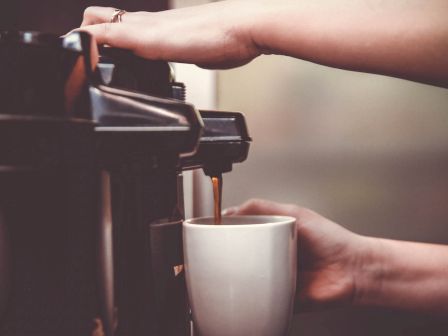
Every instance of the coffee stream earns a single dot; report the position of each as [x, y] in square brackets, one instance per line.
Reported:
[217, 197]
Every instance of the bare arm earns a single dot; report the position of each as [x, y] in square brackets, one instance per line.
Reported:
[405, 275]
[338, 267]
[401, 38]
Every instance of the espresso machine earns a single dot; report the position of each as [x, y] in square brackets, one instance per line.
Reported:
[92, 148]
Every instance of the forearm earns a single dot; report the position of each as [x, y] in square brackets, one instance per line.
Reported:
[407, 39]
[404, 275]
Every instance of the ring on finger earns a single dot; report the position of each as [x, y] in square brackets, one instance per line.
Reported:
[116, 16]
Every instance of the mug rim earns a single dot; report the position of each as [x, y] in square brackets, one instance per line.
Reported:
[271, 220]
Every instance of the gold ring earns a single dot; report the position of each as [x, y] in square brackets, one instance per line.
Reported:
[116, 17]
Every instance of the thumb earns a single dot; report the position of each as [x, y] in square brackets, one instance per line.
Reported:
[118, 35]
[264, 207]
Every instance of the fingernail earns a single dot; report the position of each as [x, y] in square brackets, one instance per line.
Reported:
[230, 211]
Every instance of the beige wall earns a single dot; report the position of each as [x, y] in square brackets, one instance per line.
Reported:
[367, 151]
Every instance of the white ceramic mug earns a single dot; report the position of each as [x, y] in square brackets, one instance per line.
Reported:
[241, 274]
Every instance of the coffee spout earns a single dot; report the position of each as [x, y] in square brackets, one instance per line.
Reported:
[224, 141]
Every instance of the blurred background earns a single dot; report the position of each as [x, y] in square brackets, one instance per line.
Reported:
[366, 151]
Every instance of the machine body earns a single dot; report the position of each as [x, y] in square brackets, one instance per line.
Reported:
[92, 149]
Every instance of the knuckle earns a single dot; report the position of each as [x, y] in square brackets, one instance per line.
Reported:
[292, 208]
[254, 204]
[89, 11]
[304, 214]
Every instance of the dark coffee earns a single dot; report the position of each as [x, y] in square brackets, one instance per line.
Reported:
[217, 197]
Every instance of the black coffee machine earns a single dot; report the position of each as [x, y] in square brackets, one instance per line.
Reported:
[92, 149]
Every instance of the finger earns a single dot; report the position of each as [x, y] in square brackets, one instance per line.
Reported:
[311, 297]
[230, 211]
[302, 300]
[116, 35]
[264, 207]
[96, 15]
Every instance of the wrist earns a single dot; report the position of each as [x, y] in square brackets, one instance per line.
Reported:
[369, 273]
[260, 24]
